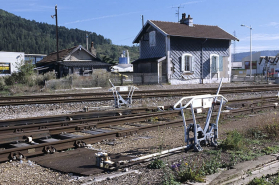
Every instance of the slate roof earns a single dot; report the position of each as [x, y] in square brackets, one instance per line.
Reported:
[183, 30]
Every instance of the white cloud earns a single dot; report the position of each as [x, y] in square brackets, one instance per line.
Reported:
[102, 17]
[273, 24]
[192, 2]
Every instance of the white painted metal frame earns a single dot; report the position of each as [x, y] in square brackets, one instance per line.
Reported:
[207, 135]
[118, 100]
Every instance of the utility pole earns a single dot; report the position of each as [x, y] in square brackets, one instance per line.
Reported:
[57, 55]
[56, 32]
[86, 41]
[178, 11]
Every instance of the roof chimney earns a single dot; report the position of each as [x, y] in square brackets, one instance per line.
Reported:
[92, 49]
[188, 21]
[183, 16]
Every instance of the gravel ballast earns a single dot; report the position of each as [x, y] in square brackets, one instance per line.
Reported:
[26, 172]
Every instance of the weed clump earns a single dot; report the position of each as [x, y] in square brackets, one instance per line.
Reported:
[234, 141]
[270, 150]
[266, 180]
[271, 130]
[156, 164]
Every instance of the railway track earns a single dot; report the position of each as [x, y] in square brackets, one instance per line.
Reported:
[14, 136]
[110, 113]
[106, 96]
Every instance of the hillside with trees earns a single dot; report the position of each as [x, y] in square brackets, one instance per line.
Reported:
[21, 35]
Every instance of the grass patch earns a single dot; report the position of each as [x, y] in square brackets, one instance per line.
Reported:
[194, 170]
[271, 130]
[270, 150]
[266, 180]
[234, 141]
[256, 133]
[156, 164]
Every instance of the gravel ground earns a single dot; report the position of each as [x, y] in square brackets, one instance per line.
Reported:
[26, 172]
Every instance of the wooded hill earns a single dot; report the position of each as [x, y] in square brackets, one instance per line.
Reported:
[21, 35]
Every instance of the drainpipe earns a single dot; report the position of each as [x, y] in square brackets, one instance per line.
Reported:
[158, 68]
[202, 60]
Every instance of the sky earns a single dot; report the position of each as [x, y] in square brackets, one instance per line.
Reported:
[120, 20]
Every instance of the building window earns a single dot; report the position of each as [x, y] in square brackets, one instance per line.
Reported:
[187, 62]
[152, 38]
[214, 63]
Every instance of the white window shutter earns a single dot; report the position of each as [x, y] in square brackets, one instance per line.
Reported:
[192, 63]
[182, 63]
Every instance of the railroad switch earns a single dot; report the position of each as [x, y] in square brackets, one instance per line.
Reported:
[202, 136]
[118, 99]
[103, 160]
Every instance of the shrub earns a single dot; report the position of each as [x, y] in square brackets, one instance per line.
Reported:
[49, 75]
[25, 67]
[189, 174]
[13, 79]
[265, 180]
[270, 150]
[234, 141]
[211, 166]
[271, 130]
[169, 178]
[2, 83]
[256, 133]
[156, 164]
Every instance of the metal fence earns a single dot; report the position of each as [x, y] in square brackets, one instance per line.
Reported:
[137, 78]
[255, 78]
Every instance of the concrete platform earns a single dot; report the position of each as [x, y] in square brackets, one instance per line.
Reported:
[244, 172]
[80, 161]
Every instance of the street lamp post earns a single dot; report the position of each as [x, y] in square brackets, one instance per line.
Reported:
[250, 27]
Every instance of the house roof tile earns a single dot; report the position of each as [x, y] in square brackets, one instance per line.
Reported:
[183, 30]
[52, 57]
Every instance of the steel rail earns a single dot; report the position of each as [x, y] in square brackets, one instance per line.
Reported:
[73, 142]
[21, 133]
[151, 94]
[99, 115]
[136, 92]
